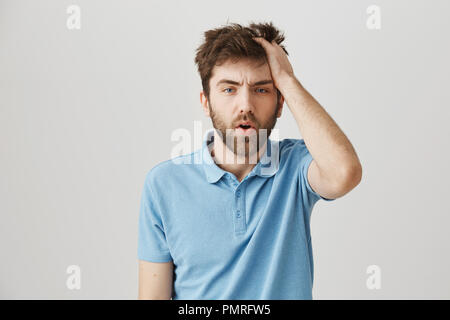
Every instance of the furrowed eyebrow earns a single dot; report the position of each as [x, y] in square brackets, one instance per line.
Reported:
[259, 83]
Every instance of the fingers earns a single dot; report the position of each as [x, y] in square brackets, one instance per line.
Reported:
[256, 39]
[263, 42]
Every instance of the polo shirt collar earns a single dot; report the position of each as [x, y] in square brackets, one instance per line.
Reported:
[266, 167]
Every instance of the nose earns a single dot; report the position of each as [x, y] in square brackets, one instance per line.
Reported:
[245, 101]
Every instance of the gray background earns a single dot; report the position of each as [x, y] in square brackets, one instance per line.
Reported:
[84, 114]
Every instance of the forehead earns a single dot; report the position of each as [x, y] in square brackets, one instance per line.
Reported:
[244, 69]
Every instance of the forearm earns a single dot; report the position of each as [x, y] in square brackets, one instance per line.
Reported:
[328, 145]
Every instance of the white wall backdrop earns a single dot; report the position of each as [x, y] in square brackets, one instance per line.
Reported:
[85, 113]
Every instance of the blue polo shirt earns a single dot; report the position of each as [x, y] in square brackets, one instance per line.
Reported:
[229, 239]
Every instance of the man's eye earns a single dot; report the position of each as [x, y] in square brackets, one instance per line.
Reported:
[227, 89]
[262, 89]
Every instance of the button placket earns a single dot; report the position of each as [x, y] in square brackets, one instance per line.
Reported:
[239, 220]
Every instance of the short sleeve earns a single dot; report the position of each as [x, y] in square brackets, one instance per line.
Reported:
[152, 243]
[304, 166]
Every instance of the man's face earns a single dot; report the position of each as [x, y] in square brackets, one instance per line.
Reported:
[232, 103]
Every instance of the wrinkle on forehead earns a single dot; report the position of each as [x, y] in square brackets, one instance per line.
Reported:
[249, 69]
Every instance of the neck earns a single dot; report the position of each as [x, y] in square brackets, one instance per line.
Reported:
[239, 165]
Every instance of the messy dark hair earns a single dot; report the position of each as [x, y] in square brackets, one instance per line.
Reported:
[234, 42]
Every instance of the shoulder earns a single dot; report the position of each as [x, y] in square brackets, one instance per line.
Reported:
[294, 155]
[165, 171]
[293, 148]
[292, 143]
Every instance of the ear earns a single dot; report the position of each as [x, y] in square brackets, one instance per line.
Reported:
[281, 106]
[205, 103]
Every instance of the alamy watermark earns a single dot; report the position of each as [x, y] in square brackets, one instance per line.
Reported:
[73, 281]
[374, 280]
[74, 20]
[374, 20]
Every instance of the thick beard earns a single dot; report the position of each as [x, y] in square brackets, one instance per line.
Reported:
[221, 127]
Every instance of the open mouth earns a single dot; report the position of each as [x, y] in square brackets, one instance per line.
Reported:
[245, 129]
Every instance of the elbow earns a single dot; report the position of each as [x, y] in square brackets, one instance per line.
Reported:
[342, 183]
[352, 176]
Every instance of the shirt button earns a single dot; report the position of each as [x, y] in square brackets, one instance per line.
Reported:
[238, 214]
[238, 193]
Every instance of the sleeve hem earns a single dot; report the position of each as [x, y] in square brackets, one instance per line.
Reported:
[156, 258]
[309, 159]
